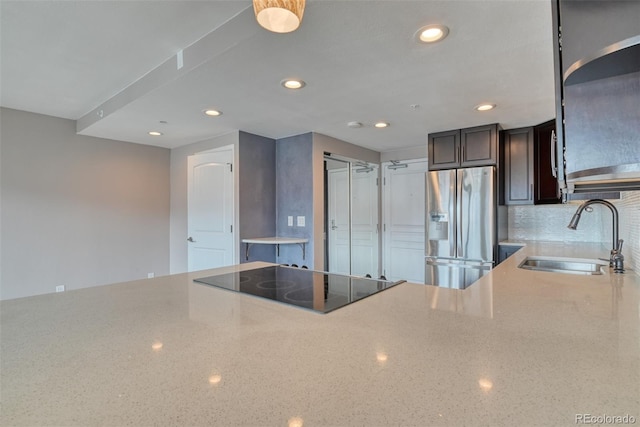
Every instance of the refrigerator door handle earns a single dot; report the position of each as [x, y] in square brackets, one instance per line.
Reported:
[466, 266]
[459, 252]
[453, 221]
[445, 260]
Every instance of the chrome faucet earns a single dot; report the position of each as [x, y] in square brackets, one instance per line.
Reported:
[616, 259]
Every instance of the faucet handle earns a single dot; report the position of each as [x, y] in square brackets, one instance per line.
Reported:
[618, 259]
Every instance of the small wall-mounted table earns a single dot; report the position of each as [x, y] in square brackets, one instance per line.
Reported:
[274, 241]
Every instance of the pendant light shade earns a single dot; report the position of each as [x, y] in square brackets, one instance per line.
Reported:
[279, 16]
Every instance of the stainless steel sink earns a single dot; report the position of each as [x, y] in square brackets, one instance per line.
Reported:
[563, 265]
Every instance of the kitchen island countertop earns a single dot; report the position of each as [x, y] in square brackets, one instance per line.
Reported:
[518, 347]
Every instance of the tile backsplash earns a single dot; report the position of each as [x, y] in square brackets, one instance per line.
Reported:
[549, 223]
[629, 209]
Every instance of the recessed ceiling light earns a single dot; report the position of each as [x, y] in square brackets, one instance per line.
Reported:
[485, 107]
[354, 125]
[155, 133]
[381, 125]
[213, 113]
[293, 83]
[432, 33]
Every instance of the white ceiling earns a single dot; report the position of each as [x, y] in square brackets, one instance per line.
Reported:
[112, 66]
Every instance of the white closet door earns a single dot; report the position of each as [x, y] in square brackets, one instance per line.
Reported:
[364, 227]
[338, 227]
[404, 221]
[210, 205]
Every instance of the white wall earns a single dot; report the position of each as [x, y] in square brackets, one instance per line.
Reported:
[178, 217]
[411, 153]
[78, 211]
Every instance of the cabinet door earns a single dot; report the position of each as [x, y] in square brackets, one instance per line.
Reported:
[545, 183]
[479, 146]
[505, 251]
[518, 166]
[444, 149]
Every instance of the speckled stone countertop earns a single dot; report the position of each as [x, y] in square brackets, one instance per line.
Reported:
[518, 347]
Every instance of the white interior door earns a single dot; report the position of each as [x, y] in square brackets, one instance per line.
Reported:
[404, 221]
[364, 222]
[338, 226]
[211, 210]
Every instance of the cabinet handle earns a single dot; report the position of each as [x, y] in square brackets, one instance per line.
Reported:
[554, 147]
[462, 158]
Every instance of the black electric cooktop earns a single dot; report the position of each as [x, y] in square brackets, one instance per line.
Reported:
[314, 290]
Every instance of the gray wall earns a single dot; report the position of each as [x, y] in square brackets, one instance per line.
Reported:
[257, 196]
[299, 191]
[295, 195]
[178, 219]
[78, 211]
[412, 153]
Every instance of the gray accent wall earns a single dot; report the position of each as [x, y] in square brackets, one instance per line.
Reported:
[295, 195]
[257, 194]
[78, 211]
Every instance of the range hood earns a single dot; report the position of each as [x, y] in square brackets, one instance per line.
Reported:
[612, 178]
[601, 109]
[597, 96]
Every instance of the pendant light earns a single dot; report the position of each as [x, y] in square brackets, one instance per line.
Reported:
[279, 16]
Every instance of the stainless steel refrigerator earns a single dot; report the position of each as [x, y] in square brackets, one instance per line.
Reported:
[461, 234]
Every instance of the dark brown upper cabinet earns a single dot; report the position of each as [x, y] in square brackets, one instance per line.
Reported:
[529, 165]
[444, 150]
[518, 166]
[476, 146]
[545, 179]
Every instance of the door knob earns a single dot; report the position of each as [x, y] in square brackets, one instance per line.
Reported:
[190, 239]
